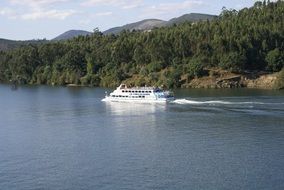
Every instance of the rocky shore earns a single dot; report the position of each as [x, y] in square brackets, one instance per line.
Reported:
[225, 79]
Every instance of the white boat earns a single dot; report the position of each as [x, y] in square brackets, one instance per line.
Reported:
[139, 94]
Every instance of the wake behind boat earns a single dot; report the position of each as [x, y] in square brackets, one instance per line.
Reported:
[139, 94]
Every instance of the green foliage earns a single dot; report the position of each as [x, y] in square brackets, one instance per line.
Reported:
[249, 39]
[155, 66]
[233, 61]
[195, 68]
[275, 60]
[91, 80]
[173, 78]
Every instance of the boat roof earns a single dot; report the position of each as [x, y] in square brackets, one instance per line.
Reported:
[123, 86]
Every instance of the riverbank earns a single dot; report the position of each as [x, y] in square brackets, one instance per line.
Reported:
[214, 79]
[225, 79]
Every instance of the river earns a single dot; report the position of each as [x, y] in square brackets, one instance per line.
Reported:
[67, 138]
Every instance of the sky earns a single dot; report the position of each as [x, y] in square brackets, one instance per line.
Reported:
[38, 19]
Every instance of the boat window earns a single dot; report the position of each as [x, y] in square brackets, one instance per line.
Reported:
[143, 96]
[123, 91]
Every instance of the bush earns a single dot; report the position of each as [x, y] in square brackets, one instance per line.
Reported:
[195, 68]
[233, 61]
[275, 60]
[155, 66]
[173, 78]
[91, 80]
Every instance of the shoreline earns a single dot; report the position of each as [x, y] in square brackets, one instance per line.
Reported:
[215, 79]
[225, 79]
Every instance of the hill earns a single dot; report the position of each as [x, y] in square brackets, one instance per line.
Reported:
[149, 24]
[192, 17]
[71, 34]
[143, 25]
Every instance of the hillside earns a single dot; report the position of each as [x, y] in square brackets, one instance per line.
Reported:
[71, 34]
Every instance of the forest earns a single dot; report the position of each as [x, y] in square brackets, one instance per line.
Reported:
[251, 39]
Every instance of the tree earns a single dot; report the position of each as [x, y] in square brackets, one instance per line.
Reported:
[233, 61]
[250, 39]
[195, 67]
[275, 60]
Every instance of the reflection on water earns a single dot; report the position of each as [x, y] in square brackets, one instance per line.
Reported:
[134, 109]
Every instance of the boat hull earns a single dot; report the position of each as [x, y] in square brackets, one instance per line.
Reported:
[138, 100]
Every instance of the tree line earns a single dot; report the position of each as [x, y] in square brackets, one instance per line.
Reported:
[251, 39]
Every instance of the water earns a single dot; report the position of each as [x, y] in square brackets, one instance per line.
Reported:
[66, 138]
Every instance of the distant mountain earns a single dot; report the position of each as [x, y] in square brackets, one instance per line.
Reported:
[149, 24]
[143, 25]
[192, 17]
[7, 44]
[11, 44]
[71, 34]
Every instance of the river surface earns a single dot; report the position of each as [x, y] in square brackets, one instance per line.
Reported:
[67, 138]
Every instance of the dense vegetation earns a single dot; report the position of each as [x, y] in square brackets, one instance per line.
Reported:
[249, 39]
[12, 44]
